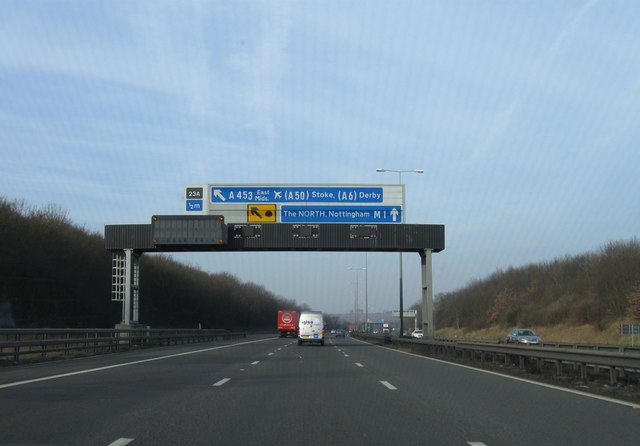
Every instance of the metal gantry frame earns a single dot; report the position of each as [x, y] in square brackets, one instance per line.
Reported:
[129, 242]
[125, 284]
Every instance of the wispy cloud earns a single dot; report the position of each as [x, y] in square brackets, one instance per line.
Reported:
[503, 120]
[265, 64]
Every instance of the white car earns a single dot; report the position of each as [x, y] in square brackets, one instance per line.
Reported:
[416, 334]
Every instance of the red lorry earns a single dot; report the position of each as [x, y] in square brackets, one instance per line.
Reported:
[287, 323]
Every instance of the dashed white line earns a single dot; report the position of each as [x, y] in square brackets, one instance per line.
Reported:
[475, 443]
[359, 365]
[255, 362]
[121, 442]
[270, 354]
[346, 356]
[222, 382]
[142, 361]
[388, 385]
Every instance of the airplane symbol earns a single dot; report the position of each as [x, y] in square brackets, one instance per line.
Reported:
[278, 194]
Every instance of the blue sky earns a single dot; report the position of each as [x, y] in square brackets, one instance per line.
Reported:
[523, 115]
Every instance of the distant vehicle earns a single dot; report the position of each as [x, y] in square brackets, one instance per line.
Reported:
[339, 333]
[417, 334]
[287, 323]
[311, 327]
[523, 336]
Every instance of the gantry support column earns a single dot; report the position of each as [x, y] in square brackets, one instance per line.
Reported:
[125, 284]
[427, 293]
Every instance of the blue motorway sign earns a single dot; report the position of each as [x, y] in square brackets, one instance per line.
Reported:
[340, 214]
[195, 205]
[630, 329]
[296, 194]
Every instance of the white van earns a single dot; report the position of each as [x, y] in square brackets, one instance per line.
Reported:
[311, 327]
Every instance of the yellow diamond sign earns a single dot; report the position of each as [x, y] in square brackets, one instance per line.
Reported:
[261, 213]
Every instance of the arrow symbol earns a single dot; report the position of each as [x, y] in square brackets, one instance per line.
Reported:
[254, 211]
[218, 194]
[394, 213]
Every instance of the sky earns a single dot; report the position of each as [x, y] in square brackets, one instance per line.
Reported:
[523, 115]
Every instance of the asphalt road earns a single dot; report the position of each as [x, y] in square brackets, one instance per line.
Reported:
[270, 391]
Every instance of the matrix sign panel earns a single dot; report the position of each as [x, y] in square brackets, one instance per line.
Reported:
[298, 203]
[188, 230]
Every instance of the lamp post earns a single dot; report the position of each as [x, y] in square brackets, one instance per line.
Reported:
[366, 293]
[355, 314]
[404, 219]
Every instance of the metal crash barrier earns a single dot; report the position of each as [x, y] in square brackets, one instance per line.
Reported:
[620, 362]
[40, 344]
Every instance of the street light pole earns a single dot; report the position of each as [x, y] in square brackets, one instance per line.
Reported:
[355, 315]
[366, 293]
[404, 219]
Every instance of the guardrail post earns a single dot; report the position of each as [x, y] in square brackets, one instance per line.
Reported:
[66, 346]
[583, 370]
[44, 345]
[558, 368]
[613, 376]
[16, 348]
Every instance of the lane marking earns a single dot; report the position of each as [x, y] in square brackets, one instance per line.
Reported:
[359, 365]
[388, 385]
[270, 354]
[475, 443]
[515, 378]
[121, 442]
[222, 382]
[255, 362]
[124, 364]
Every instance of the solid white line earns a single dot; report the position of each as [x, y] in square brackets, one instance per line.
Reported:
[255, 362]
[124, 364]
[121, 442]
[515, 378]
[222, 382]
[359, 365]
[388, 386]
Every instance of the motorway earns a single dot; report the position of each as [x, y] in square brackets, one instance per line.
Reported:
[270, 391]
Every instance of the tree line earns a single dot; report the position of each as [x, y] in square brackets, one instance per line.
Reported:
[55, 274]
[593, 288]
